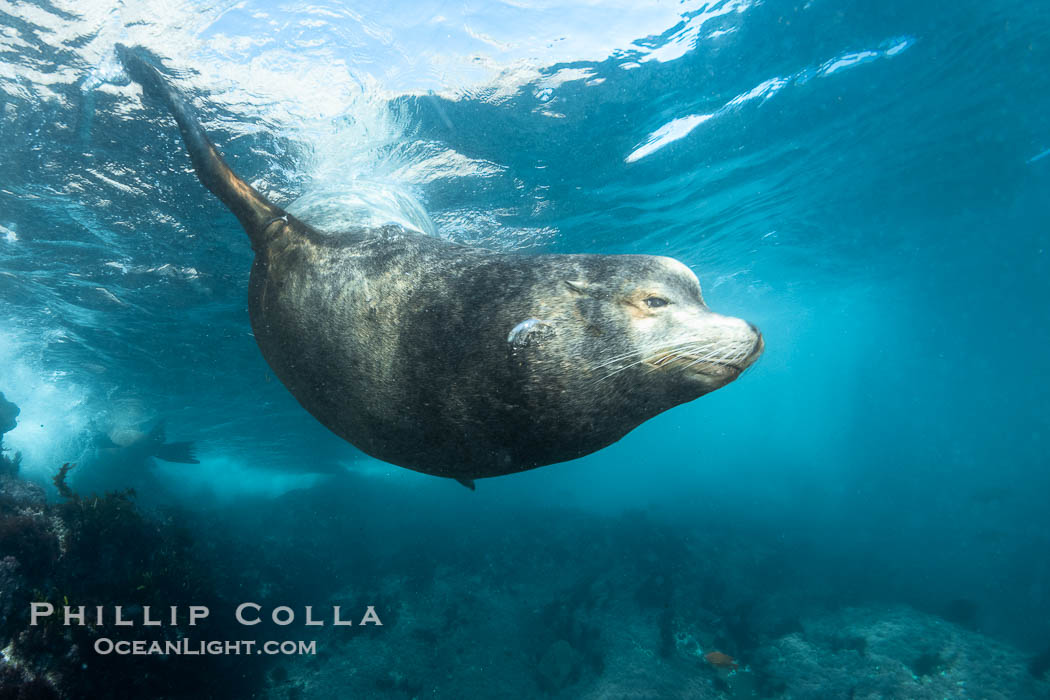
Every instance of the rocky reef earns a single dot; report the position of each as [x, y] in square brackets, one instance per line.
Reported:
[483, 599]
[101, 551]
[893, 651]
[505, 601]
[9, 463]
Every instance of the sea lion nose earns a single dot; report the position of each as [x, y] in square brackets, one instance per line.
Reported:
[760, 342]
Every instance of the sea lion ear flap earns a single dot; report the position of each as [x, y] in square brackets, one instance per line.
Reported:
[578, 286]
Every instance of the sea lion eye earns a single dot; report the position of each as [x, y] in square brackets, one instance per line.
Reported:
[656, 302]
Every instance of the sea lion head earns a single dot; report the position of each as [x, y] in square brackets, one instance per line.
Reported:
[609, 342]
[642, 326]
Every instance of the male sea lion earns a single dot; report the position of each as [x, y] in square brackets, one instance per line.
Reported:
[463, 362]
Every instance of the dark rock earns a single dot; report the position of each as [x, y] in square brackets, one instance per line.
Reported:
[8, 413]
[1039, 666]
[559, 666]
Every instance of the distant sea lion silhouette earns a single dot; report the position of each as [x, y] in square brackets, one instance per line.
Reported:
[136, 444]
[120, 459]
[458, 361]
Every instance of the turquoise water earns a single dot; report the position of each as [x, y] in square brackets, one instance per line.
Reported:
[866, 182]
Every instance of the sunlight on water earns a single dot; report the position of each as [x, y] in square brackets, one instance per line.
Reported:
[55, 408]
[682, 126]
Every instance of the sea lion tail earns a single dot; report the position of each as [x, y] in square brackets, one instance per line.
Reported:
[251, 208]
[181, 452]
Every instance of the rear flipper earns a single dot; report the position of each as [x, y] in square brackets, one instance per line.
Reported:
[252, 209]
[181, 452]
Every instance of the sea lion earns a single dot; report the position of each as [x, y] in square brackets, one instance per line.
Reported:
[458, 361]
[122, 458]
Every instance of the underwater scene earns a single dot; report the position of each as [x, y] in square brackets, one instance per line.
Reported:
[525, 349]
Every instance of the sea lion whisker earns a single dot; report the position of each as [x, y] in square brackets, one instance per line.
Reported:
[618, 370]
[644, 351]
[687, 347]
[618, 358]
[734, 354]
[688, 350]
[703, 358]
[713, 351]
[666, 353]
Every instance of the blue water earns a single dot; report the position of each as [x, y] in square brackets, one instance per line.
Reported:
[866, 182]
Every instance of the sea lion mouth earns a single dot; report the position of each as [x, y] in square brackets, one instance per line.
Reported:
[698, 365]
[716, 369]
[726, 362]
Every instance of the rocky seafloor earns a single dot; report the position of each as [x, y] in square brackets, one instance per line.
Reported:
[100, 550]
[496, 602]
[504, 602]
[871, 653]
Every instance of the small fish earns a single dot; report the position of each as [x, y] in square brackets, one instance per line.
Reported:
[720, 660]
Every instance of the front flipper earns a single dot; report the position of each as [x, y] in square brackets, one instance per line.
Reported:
[469, 483]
